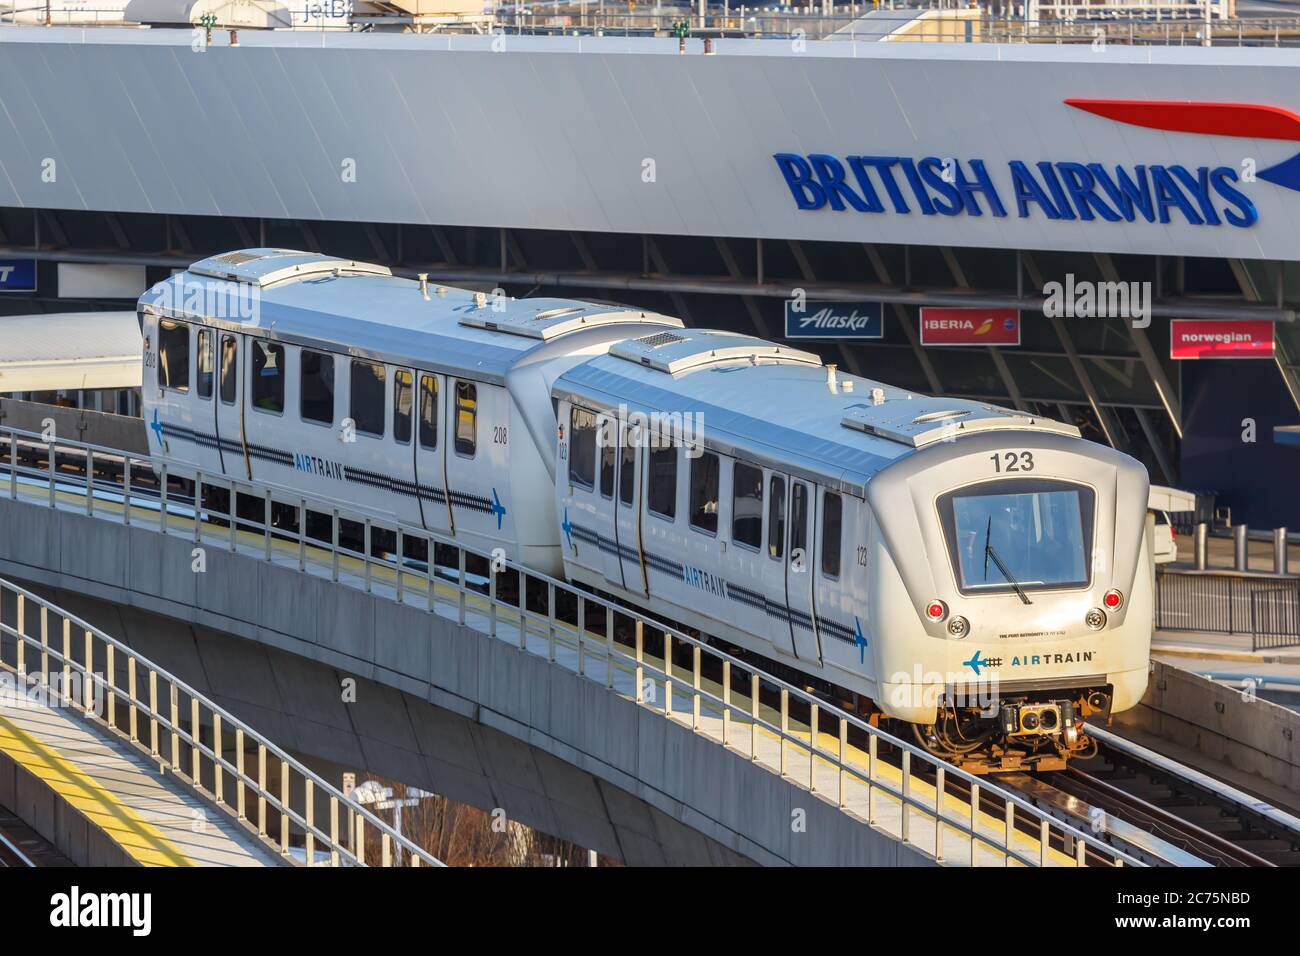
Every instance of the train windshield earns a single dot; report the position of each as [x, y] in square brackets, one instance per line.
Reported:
[1019, 535]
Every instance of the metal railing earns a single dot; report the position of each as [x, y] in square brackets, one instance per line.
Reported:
[739, 706]
[201, 743]
[1275, 618]
[1228, 604]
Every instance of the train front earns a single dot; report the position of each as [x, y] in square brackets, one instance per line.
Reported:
[1012, 591]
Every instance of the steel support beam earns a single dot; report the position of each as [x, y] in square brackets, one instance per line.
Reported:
[1108, 428]
[905, 322]
[1164, 388]
[1251, 293]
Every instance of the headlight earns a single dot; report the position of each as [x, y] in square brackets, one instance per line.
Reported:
[1095, 619]
[959, 626]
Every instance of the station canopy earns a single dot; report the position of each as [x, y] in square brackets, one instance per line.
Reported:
[69, 350]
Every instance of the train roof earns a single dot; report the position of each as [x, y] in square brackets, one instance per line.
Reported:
[777, 406]
[364, 310]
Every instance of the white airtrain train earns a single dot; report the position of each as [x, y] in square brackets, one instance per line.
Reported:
[978, 573]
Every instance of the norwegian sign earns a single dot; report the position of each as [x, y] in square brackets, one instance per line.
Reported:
[944, 326]
[17, 275]
[1220, 339]
[834, 320]
[1062, 190]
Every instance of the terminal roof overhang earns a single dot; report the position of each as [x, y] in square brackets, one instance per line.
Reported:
[69, 351]
[553, 132]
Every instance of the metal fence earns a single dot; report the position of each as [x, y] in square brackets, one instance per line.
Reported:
[894, 785]
[277, 798]
[1275, 618]
[1264, 608]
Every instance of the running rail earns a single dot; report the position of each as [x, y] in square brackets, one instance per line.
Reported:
[1049, 837]
[103, 697]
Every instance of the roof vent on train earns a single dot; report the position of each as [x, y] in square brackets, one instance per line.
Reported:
[899, 421]
[265, 267]
[547, 319]
[693, 349]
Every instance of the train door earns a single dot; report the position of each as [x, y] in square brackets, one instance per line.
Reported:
[799, 570]
[430, 455]
[205, 401]
[772, 569]
[609, 441]
[229, 408]
[631, 473]
[478, 470]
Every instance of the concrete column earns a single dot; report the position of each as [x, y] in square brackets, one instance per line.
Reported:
[1240, 552]
[1202, 545]
[1279, 551]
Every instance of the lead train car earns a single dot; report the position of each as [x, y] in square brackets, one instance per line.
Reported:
[425, 405]
[977, 573]
[983, 575]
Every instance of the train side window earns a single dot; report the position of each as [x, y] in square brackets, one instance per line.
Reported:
[466, 418]
[776, 518]
[582, 450]
[832, 512]
[428, 411]
[268, 376]
[316, 392]
[205, 362]
[608, 456]
[662, 499]
[403, 392]
[747, 506]
[799, 524]
[627, 473]
[366, 402]
[229, 369]
[174, 356]
[704, 493]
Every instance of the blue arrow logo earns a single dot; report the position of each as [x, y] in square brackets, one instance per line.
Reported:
[567, 528]
[157, 427]
[860, 640]
[498, 508]
[975, 663]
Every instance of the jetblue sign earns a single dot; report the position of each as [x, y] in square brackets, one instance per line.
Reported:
[17, 275]
[833, 320]
[1056, 190]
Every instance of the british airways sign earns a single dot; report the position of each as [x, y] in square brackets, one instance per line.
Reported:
[1056, 190]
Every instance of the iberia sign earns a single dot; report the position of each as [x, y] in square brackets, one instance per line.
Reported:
[943, 326]
[1059, 190]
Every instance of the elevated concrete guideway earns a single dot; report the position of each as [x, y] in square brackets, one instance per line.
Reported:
[615, 747]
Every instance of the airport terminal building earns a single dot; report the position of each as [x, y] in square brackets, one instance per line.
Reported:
[1104, 235]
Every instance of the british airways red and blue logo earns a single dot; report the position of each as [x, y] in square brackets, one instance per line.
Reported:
[1159, 192]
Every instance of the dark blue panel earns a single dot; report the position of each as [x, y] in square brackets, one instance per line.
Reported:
[1259, 480]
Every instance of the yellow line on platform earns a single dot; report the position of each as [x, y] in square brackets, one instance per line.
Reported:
[127, 828]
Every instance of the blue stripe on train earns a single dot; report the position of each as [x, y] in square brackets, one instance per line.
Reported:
[732, 592]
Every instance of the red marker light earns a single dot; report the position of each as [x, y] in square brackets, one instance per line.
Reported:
[1113, 599]
[936, 610]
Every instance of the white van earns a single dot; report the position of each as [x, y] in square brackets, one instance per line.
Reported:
[1160, 502]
